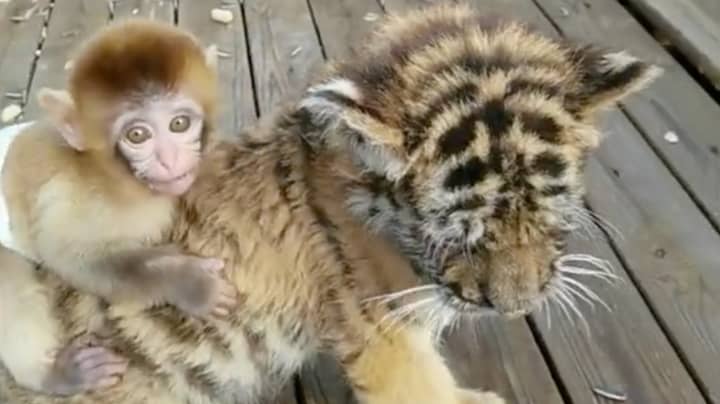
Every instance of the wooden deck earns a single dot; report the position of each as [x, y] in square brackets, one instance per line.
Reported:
[661, 342]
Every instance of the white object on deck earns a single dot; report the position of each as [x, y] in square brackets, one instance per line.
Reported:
[222, 15]
[10, 112]
[7, 135]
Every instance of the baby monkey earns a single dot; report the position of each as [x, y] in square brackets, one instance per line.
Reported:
[124, 141]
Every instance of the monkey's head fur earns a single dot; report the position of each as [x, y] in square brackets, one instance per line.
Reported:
[135, 59]
[141, 99]
[472, 135]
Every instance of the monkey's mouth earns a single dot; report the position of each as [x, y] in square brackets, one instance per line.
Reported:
[180, 177]
[174, 186]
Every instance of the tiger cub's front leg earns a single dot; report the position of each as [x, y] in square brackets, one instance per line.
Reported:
[402, 366]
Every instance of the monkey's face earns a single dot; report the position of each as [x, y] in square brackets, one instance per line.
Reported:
[161, 139]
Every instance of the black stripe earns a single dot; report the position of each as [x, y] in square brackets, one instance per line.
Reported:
[465, 93]
[284, 179]
[549, 163]
[187, 331]
[466, 175]
[553, 190]
[545, 127]
[459, 137]
[479, 65]
[522, 85]
[347, 102]
[596, 79]
[484, 65]
[128, 348]
[618, 79]
[472, 203]
[378, 68]
[496, 117]
[530, 202]
[200, 378]
[502, 207]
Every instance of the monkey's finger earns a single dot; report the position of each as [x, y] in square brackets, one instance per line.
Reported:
[227, 300]
[87, 357]
[105, 383]
[85, 353]
[107, 364]
[107, 369]
[221, 312]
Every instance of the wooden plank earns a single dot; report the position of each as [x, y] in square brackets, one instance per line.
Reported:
[18, 43]
[669, 246]
[475, 351]
[692, 25]
[398, 6]
[622, 350]
[343, 23]
[675, 102]
[284, 49]
[72, 21]
[286, 396]
[162, 10]
[323, 382]
[237, 104]
[502, 356]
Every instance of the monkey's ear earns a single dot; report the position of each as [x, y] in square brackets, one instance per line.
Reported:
[211, 56]
[60, 108]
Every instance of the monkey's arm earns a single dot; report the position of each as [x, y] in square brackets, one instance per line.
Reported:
[147, 276]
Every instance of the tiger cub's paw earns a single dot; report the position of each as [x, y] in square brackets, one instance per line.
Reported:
[479, 397]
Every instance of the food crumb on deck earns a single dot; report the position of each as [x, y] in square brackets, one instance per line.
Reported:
[10, 112]
[221, 15]
[671, 137]
[610, 394]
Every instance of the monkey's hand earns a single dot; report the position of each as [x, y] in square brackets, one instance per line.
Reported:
[82, 366]
[196, 285]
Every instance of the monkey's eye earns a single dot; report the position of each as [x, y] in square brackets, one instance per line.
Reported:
[180, 123]
[137, 134]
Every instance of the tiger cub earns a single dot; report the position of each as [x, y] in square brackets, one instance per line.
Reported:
[433, 176]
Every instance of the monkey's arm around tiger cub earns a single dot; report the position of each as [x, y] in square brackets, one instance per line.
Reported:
[92, 189]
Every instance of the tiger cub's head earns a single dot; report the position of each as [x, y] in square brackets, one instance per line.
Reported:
[472, 135]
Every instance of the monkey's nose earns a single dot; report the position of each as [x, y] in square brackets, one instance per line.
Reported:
[167, 158]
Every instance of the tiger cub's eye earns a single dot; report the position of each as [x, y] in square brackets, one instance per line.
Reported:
[137, 134]
[180, 123]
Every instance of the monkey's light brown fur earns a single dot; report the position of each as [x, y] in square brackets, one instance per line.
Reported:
[446, 133]
[83, 206]
[125, 61]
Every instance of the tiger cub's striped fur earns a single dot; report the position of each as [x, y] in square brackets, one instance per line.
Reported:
[459, 141]
[473, 133]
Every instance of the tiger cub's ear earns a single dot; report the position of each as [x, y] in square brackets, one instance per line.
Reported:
[608, 77]
[347, 119]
